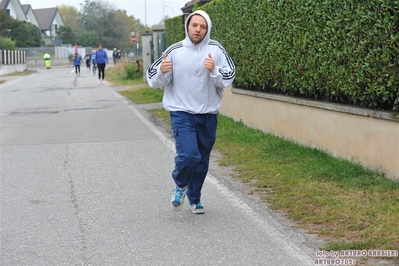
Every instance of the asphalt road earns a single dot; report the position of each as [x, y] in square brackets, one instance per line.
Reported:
[85, 180]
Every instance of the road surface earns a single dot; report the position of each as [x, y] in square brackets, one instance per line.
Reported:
[86, 180]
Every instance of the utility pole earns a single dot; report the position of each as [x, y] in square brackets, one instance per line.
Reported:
[145, 12]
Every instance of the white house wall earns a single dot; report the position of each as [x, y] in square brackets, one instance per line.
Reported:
[16, 10]
[13, 14]
[32, 19]
[57, 21]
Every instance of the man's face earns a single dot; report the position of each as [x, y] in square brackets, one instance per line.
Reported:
[197, 29]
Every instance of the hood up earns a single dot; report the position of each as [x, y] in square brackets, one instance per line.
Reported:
[207, 37]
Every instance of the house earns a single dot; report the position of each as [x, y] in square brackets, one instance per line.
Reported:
[47, 19]
[30, 15]
[188, 7]
[14, 9]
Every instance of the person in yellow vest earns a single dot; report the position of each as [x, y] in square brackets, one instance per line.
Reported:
[47, 60]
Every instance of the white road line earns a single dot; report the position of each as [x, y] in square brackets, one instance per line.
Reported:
[9, 83]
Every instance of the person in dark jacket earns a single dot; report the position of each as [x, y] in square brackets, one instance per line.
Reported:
[115, 55]
[101, 63]
[76, 62]
[87, 61]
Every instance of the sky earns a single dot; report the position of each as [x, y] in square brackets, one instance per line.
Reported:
[137, 8]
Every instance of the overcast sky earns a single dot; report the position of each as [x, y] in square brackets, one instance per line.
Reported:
[155, 9]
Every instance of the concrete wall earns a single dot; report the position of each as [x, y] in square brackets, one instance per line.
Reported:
[8, 69]
[368, 137]
[146, 40]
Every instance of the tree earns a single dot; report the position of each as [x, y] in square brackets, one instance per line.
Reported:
[7, 24]
[7, 44]
[67, 35]
[112, 26]
[117, 29]
[96, 22]
[89, 38]
[26, 34]
[90, 15]
[22, 33]
[131, 24]
[71, 17]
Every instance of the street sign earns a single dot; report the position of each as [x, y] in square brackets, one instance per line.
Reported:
[133, 38]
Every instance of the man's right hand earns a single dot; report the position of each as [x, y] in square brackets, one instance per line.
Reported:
[166, 65]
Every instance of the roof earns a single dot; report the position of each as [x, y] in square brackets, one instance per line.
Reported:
[45, 17]
[26, 8]
[15, 5]
[30, 15]
[188, 7]
[3, 4]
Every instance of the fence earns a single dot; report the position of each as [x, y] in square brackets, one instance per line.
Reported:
[12, 57]
[60, 56]
[12, 61]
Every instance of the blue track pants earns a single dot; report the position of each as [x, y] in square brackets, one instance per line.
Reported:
[194, 136]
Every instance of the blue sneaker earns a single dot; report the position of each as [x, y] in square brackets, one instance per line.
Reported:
[178, 198]
[197, 208]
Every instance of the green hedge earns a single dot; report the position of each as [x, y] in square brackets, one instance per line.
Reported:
[174, 30]
[339, 51]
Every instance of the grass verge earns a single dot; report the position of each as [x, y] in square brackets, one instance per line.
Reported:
[21, 73]
[124, 74]
[350, 206]
[143, 95]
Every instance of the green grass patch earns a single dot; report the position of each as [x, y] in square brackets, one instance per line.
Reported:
[22, 73]
[335, 198]
[143, 95]
[350, 206]
[161, 114]
[124, 74]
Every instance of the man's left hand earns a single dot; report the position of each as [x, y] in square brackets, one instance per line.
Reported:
[209, 63]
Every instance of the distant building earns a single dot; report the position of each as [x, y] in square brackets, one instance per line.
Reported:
[30, 15]
[47, 19]
[14, 9]
[188, 7]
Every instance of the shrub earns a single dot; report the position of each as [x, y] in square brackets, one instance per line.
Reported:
[7, 44]
[340, 51]
[131, 72]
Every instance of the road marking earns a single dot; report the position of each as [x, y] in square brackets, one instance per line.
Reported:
[9, 83]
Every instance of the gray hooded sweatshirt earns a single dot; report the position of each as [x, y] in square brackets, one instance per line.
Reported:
[190, 87]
